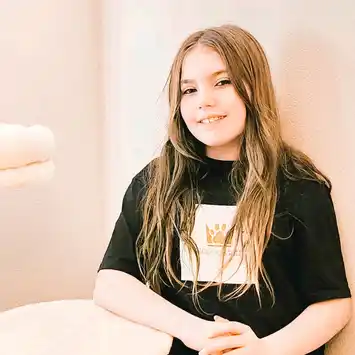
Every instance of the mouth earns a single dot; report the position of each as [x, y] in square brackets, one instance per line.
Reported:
[210, 120]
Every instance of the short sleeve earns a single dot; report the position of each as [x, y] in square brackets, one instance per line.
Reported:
[120, 254]
[319, 262]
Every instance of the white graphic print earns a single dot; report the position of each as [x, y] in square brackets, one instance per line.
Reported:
[211, 226]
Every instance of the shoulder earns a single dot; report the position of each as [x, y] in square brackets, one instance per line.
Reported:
[310, 209]
[138, 184]
[302, 196]
[134, 195]
[143, 176]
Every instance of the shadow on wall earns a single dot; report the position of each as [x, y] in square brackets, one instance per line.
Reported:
[314, 118]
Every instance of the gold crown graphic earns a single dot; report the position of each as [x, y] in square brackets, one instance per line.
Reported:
[216, 236]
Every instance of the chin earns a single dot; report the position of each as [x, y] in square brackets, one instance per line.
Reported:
[220, 144]
[215, 143]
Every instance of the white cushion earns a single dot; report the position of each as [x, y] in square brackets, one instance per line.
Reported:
[76, 327]
[25, 154]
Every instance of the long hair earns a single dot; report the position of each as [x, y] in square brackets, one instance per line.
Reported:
[171, 197]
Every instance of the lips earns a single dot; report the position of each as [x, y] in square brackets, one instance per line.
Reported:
[211, 118]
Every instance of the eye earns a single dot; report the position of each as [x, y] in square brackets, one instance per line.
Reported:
[188, 91]
[223, 82]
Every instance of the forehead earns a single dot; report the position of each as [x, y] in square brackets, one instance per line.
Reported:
[201, 62]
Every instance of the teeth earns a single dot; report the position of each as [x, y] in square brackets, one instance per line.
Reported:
[212, 119]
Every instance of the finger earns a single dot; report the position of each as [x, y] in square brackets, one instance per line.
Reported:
[220, 319]
[223, 328]
[223, 343]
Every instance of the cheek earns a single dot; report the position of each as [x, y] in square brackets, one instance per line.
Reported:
[187, 111]
[235, 106]
[231, 100]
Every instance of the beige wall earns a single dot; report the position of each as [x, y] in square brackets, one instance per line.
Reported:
[51, 236]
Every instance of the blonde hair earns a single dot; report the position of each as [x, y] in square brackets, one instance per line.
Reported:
[171, 196]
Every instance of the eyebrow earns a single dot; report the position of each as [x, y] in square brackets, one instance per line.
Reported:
[188, 81]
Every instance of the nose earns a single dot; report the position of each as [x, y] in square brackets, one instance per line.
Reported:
[205, 98]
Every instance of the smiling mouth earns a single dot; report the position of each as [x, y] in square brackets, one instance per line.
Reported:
[212, 119]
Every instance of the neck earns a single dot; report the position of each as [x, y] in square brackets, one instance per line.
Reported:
[221, 153]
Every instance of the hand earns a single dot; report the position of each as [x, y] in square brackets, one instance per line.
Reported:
[195, 334]
[241, 340]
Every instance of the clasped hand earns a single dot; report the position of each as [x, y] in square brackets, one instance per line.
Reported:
[233, 338]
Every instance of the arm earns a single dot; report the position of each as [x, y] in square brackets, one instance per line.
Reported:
[321, 281]
[120, 287]
[311, 329]
[129, 298]
[321, 274]
[315, 326]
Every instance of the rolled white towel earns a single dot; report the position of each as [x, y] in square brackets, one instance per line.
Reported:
[25, 154]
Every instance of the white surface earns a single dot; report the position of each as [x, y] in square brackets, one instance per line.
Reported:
[25, 154]
[21, 145]
[34, 173]
[75, 327]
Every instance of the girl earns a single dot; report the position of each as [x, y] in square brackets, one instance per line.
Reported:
[229, 220]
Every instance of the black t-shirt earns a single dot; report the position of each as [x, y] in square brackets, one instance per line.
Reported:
[303, 259]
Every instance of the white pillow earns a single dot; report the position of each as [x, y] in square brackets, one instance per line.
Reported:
[76, 327]
[25, 154]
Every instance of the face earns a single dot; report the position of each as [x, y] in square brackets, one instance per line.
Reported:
[210, 106]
